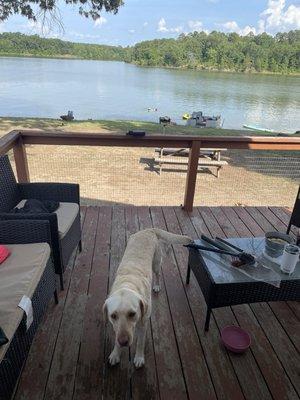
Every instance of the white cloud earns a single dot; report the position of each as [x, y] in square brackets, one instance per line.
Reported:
[279, 18]
[195, 25]
[213, 1]
[100, 21]
[145, 23]
[84, 36]
[275, 18]
[162, 27]
[232, 26]
[131, 30]
[177, 29]
[261, 26]
[247, 29]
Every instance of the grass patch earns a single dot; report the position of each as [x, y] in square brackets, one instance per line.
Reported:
[8, 124]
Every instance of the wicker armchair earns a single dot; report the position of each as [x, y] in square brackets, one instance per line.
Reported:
[14, 233]
[12, 193]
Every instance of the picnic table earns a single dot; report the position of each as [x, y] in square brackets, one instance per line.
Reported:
[208, 157]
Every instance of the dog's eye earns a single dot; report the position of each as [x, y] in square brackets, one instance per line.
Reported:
[131, 314]
[113, 316]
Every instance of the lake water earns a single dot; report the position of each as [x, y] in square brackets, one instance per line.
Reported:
[114, 90]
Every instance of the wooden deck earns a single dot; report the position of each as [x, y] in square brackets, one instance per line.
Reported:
[68, 359]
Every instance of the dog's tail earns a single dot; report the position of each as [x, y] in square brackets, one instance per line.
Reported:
[171, 238]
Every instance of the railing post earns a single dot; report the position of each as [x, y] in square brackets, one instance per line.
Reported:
[191, 176]
[21, 161]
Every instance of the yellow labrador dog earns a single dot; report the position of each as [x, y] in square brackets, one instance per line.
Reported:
[129, 303]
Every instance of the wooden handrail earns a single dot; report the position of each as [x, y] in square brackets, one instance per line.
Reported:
[156, 140]
[18, 139]
[8, 141]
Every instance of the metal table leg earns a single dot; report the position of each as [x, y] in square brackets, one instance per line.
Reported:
[188, 274]
[208, 313]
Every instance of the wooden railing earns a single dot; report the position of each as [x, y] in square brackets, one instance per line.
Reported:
[17, 140]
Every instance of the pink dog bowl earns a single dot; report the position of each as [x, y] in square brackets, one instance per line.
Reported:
[235, 339]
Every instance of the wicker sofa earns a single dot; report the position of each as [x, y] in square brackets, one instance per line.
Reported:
[40, 286]
[64, 223]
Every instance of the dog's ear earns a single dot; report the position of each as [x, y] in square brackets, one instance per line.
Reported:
[104, 310]
[143, 307]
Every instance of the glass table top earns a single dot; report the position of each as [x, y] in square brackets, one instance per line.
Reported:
[266, 270]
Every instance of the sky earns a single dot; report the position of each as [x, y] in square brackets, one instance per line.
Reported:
[140, 20]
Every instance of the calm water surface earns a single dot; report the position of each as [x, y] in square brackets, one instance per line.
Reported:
[115, 90]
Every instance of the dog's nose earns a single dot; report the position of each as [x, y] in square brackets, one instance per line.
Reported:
[123, 341]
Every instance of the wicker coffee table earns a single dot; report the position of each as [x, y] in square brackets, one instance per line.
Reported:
[223, 285]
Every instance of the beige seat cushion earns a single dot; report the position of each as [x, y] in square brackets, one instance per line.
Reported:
[66, 214]
[20, 274]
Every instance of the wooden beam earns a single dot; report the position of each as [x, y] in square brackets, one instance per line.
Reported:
[108, 140]
[191, 177]
[158, 140]
[21, 161]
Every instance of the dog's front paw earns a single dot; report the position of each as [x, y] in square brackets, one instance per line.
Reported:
[156, 288]
[139, 361]
[114, 358]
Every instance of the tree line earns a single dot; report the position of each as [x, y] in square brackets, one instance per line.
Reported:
[222, 51]
[196, 50]
[18, 44]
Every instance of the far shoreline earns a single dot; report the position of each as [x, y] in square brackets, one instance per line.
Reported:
[196, 69]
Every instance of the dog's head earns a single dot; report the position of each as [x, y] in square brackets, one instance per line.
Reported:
[124, 309]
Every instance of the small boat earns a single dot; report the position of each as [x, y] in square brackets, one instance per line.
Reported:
[258, 128]
[68, 117]
[151, 109]
[197, 119]
[186, 116]
[165, 120]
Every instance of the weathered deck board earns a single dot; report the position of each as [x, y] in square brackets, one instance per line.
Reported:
[171, 380]
[68, 359]
[191, 353]
[284, 215]
[61, 378]
[222, 374]
[91, 352]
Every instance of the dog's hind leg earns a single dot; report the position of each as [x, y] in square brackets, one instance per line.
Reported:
[139, 359]
[156, 266]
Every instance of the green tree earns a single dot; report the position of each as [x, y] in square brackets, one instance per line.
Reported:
[32, 8]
